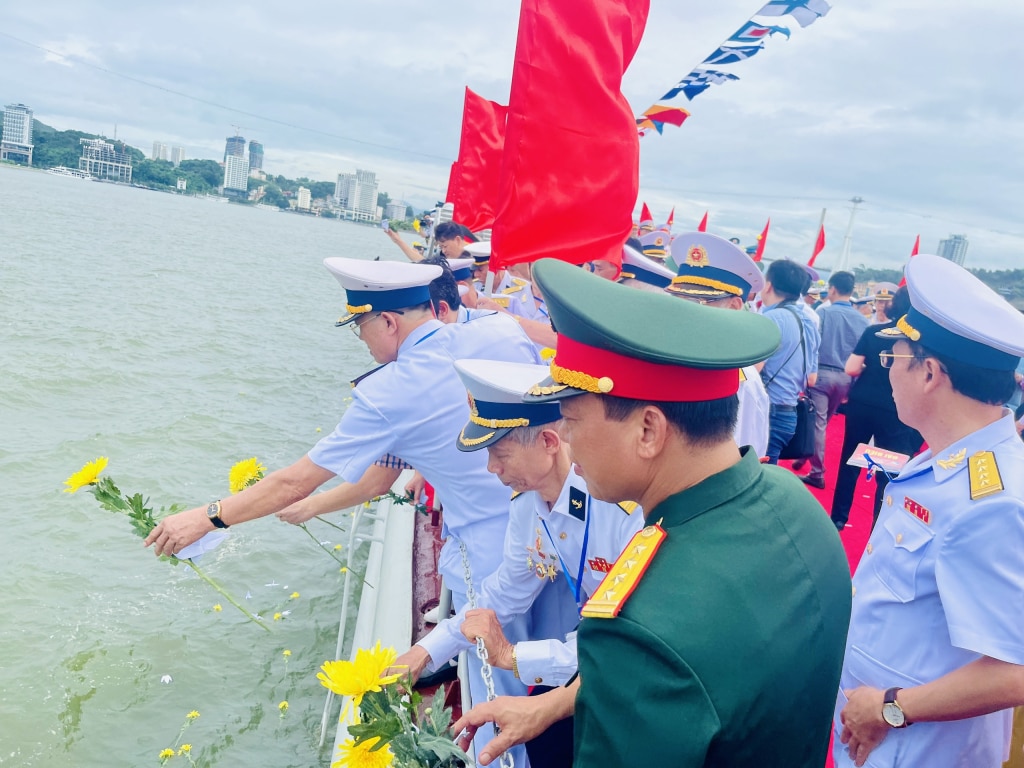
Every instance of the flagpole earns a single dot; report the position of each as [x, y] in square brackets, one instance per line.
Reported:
[814, 247]
[848, 239]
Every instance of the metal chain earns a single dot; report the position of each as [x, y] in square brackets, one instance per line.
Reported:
[505, 760]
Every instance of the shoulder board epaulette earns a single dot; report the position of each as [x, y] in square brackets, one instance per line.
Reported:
[516, 495]
[619, 583]
[743, 376]
[368, 374]
[519, 281]
[501, 301]
[629, 507]
[984, 471]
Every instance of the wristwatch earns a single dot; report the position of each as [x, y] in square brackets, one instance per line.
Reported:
[213, 512]
[892, 712]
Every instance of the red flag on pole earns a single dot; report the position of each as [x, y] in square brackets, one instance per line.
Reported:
[480, 150]
[570, 171]
[671, 219]
[645, 215]
[453, 184]
[819, 246]
[913, 252]
[703, 226]
[761, 240]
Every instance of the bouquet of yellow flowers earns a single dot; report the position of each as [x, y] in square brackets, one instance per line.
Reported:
[389, 731]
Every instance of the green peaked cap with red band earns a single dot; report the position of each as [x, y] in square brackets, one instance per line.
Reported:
[643, 345]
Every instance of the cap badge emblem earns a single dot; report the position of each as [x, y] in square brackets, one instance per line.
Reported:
[697, 256]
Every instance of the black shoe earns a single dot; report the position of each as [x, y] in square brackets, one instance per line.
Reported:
[814, 482]
[798, 464]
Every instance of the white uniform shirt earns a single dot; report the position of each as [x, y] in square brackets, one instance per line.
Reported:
[520, 295]
[940, 584]
[531, 561]
[752, 422]
[415, 408]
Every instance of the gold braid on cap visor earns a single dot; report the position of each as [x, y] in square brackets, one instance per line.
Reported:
[579, 380]
[718, 285]
[359, 310]
[471, 441]
[498, 423]
[908, 330]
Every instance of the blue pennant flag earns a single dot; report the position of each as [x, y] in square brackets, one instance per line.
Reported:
[751, 32]
[698, 81]
[806, 12]
[730, 54]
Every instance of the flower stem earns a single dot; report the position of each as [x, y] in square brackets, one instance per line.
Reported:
[325, 520]
[227, 596]
[319, 545]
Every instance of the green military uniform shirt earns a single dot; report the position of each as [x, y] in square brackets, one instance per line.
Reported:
[728, 652]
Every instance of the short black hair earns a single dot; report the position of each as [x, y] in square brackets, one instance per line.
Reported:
[982, 384]
[443, 288]
[449, 230]
[703, 423]
[900, 304]
[788, 278]
[843, 282]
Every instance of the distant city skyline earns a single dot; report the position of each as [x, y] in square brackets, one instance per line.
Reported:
[953, 248]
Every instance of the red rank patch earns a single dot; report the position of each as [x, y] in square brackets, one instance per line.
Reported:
[599, 564]
[921, 513]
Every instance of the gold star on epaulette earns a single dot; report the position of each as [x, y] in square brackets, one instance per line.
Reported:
[619, 583]
[985, 478]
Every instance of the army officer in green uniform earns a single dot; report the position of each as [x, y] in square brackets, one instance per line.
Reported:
[717, 638]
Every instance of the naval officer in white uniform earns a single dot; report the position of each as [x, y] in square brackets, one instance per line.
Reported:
[557, 534]
[518, 293]
[716, 272]
[935, 652]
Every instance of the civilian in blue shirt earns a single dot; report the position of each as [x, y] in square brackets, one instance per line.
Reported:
[794, 366]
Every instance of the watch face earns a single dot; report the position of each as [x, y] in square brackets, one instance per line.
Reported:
[213, 510]
[893, 715]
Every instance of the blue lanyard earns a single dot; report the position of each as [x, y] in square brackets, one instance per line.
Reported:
[873, 466]
[420, 341]
[578, 586]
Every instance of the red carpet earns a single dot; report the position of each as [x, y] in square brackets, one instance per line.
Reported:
[855, 534]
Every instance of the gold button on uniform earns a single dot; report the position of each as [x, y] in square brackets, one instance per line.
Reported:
[899, 537]
[870, 548]
[888, 501]
[562, 535]
[538, 680]
[854, 591]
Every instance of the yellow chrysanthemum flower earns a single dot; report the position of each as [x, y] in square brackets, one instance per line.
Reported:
[352, 755]
[217, 608]
[294, 596]
[337, 547]
[87, 475]
[185, 749]
[192, 715]
[283, 706]
[166, 753]
[277, 617]
[286, 653]
[245, 473]
[359, 677]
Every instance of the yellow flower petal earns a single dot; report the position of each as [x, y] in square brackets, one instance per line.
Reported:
[286, 653]
[294, 595]
[217, 608]
[185, 749]
[192, 715]
[359, 677]
[166, 753]
[362, 755]
[277, 617]
[244, 474]
[87, 475]
[283, 706]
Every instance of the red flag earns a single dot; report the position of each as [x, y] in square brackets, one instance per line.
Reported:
[645, 214]
[761, 240]
[453, 183]
[913, 252]
[570, 175]
[480, 150]
[703, 226]
[819, 246]
[671, 218]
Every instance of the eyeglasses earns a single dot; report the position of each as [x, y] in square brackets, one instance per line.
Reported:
[885, 358]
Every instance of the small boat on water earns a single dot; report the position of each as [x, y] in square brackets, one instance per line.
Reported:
[72, 173]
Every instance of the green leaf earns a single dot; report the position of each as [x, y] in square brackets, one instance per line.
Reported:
[440, 718]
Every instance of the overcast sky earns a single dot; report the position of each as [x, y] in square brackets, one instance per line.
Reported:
[915, 106]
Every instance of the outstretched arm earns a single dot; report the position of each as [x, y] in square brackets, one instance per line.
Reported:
[271, 494]
[408, 250]
[376, 481]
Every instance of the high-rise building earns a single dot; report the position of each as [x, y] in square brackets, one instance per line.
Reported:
[344, 188]
[366, 195]
[953, 248]
[16, 140]
[255, 156]
[236, 173]
[234, 145]
[105, 160]
[159, 151]
[302, 199]
[177, 155]
[395, 210]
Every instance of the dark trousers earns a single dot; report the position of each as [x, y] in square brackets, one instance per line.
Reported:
[862, 423]
[553, 748]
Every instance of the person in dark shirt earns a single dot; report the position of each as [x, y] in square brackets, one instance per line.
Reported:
[871, 412]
